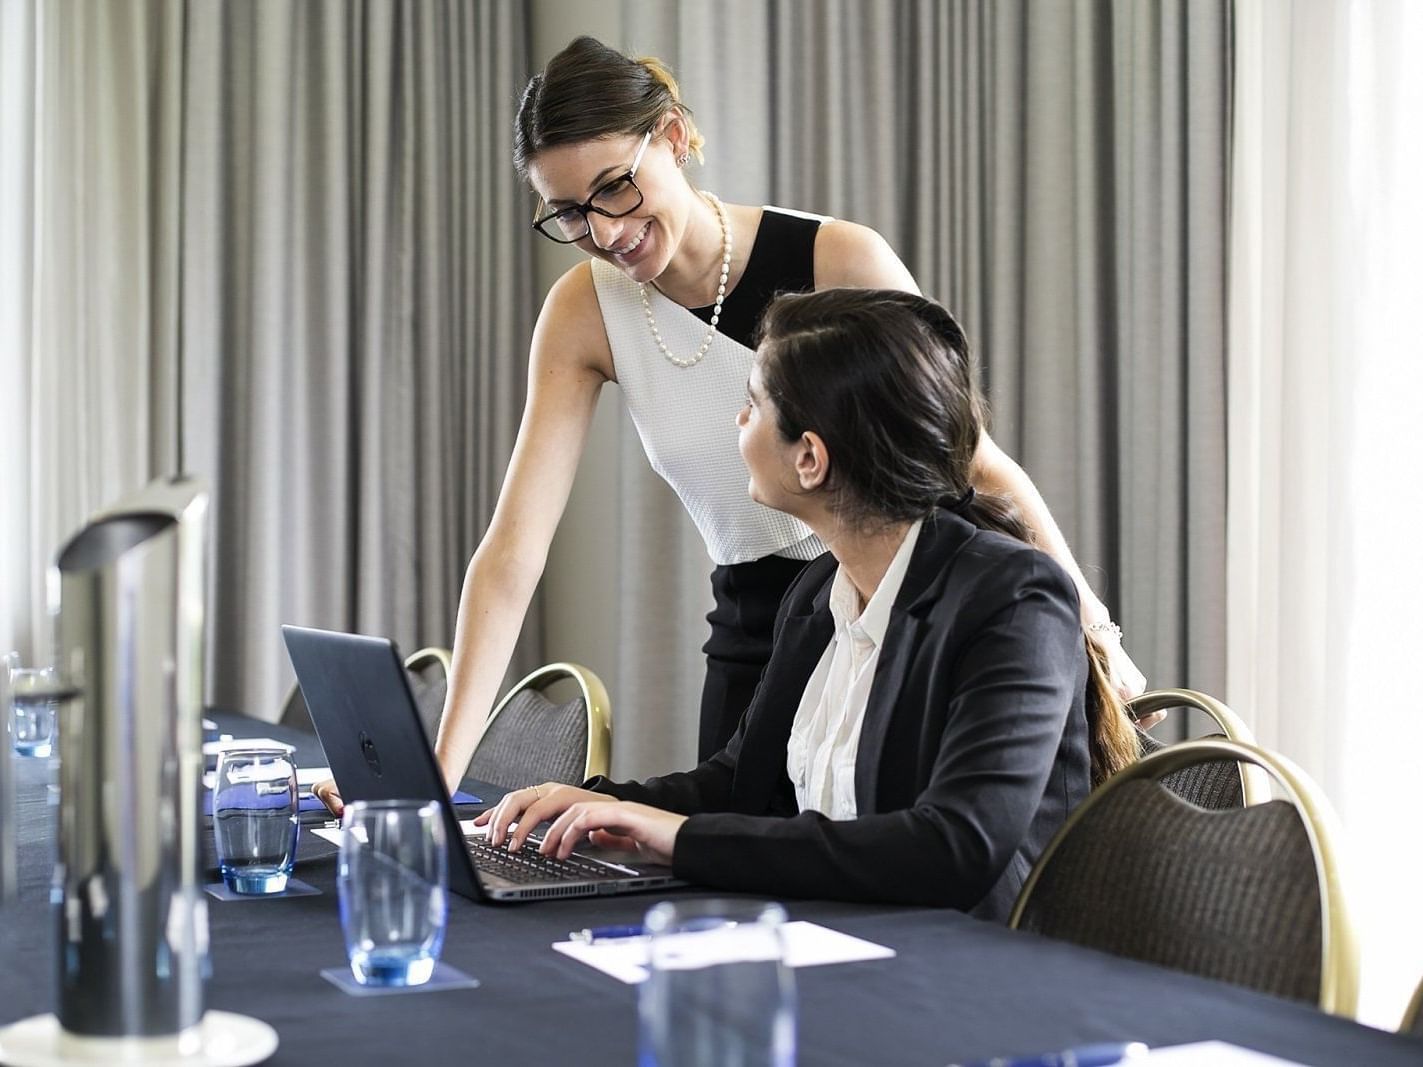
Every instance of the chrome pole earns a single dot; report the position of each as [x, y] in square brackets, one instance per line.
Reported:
[132, 919]
[8, 855]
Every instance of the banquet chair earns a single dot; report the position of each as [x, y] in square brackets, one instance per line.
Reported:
[1249, 896]
[429, 671]
[1214, 785]
[529, 738]
[1413, 1014]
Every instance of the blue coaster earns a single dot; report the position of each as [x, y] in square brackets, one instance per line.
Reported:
[444, 977]
[295, 888]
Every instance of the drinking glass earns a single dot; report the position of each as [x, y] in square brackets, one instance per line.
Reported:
[33, 713]
[718, 991]
[392, 879]
[254, 817]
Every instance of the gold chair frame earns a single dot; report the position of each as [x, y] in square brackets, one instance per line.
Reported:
[422, 658]
[1410, 1021]
[1339, 949]
[416, 661]
[595, 703]
[1254, 782]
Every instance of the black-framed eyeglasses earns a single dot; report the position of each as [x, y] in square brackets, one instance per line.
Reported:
[613, 199]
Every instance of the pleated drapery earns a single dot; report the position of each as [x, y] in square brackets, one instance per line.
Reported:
[280, 246]
[1056, 175]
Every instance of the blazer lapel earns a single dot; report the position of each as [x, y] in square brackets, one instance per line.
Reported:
[761, 763]
[901, 639]
[940, 539]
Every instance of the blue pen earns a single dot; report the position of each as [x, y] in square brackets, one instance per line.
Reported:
[595, 934]
[1086, 1056]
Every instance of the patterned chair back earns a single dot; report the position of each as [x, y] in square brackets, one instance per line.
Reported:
[1248, 895]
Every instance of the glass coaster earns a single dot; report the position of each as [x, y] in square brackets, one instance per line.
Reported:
[295, 888]
[444, 977]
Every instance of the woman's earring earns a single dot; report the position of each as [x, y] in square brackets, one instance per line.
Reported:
[682, 159]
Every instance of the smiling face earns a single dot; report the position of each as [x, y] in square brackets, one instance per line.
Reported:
[643, 242]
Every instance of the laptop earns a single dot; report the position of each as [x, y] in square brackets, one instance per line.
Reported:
[365, 715]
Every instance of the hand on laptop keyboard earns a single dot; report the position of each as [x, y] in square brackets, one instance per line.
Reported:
[577, 814]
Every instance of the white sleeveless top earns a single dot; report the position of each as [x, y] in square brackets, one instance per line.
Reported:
[686, 417]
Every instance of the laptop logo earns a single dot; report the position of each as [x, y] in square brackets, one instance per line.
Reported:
[368, 749]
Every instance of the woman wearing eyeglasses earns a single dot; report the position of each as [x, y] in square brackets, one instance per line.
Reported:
[930, 713]
[665, 306]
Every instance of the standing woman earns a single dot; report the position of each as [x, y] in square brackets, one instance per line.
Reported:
[666, 306]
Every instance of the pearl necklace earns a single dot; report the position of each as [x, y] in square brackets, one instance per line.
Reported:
[716, 308]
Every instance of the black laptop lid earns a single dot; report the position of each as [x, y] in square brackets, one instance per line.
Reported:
[358, 694]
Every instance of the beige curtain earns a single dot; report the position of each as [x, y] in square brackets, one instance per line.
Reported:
[90, 347]
[356, 311]
[1056, 174]
[280, 246]
[17, 130]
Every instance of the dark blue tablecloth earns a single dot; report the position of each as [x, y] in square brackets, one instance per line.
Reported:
[958, 990]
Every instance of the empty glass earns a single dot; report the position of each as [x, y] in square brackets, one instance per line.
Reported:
[392, 880]
[718, 990]
[33, 714]
[254, 817]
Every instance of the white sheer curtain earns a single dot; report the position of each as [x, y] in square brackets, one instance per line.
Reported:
[1326, 449]
[16, 205]
[88, 312]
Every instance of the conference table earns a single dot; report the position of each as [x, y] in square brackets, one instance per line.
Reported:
[958, 990]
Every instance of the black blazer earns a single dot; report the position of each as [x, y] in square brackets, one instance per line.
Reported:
[973, 749]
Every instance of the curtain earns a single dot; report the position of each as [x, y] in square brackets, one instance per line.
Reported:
[90, 345]
[280, 246]
[1056, 174]
[1326, 381]
[17, 107]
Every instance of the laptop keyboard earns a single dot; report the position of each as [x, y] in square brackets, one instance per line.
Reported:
[529, 865]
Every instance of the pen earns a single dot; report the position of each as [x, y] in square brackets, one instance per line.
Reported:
[594, 934]
[1086, 1056]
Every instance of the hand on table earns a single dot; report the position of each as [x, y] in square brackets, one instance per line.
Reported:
[326, 792]
[578, 813]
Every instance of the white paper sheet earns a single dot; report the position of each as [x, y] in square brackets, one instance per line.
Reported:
[1213, 1054]
[807, 945]
[333, 833]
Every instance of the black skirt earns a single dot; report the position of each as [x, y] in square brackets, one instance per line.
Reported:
[747, 598]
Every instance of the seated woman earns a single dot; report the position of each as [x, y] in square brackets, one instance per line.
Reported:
[930, 713]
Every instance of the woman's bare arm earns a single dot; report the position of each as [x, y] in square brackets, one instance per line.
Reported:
[569, 362]
[854, 255]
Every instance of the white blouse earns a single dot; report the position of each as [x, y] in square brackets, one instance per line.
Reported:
[825, 738]
[686, 419]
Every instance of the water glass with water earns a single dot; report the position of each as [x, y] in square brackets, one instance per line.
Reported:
[33, 711]
[392, 878]
[254, 817]
[718, 991]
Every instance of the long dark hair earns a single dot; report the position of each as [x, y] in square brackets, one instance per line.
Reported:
[589, 91]
[886, 379]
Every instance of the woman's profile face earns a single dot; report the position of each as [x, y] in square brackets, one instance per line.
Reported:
[640, 243]
[769, 457]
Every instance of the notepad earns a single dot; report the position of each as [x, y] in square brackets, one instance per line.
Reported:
[807, 945]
